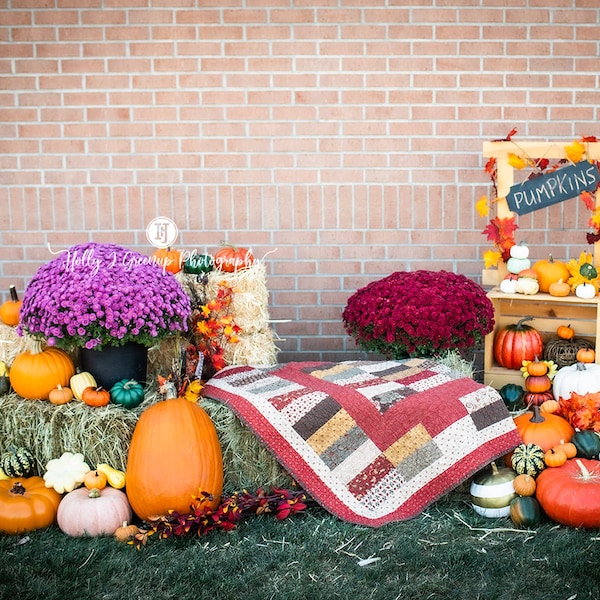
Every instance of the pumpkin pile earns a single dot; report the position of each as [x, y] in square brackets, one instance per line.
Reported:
[554, 277]
[555, 471]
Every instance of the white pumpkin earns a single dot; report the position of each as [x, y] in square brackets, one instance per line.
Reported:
[527, 285]
[519, 251]
[585, 290]
[515, 265]
[580, 378]
[509, 284]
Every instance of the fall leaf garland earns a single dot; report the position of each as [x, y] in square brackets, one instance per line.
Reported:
[501, 231]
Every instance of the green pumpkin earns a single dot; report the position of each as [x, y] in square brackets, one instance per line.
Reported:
[127, 392]
[198, 263]
[587, 443]
[525, 512]
[588, 271]
[513, 396]
[528, 459]
[17, 462]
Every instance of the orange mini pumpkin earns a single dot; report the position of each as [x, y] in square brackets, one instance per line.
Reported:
[95, 396]
[586, 355]
[9, 310]
[95, 480]
[565, 332]
[545, 430]
[169, 259]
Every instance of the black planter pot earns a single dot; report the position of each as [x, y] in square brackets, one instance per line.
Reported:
[109, 364]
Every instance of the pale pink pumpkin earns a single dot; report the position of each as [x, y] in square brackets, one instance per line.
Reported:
[84, 512]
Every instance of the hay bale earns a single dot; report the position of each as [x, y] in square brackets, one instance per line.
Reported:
[12, 344]
[104, 434]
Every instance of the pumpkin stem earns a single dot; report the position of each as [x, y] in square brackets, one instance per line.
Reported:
[581, 367]
[94, 493]
[584, 471]
[494, 468]
[17, 488]
[519, 324]
[537, 415]
[13, 293]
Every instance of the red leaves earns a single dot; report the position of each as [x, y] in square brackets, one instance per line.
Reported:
[501, 233]
[280, 502]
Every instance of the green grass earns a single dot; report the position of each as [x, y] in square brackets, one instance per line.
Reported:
[447, 552]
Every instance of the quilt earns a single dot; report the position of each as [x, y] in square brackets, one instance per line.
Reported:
[370, 441]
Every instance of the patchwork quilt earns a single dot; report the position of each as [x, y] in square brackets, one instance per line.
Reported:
[371, 441]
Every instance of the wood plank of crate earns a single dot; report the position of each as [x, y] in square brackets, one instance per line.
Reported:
[506, 178]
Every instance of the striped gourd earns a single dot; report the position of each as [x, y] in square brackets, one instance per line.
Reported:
[17, 462]
[528, 459]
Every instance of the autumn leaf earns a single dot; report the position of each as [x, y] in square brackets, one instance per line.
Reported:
[516, 161]
[588, 199]
[482, 206]
[594, 221]
[589, 138]
[490, 166]
[491, 258]
[499, 230]
[575, 151]
[542, 164]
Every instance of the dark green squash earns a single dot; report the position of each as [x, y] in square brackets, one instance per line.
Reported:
[17, 462]
[4, 385]
[587, 443]
[198, 263]
[525, 512]
[513, 396]
[127, 392]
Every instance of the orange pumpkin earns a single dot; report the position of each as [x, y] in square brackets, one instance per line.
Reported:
[35, 373]
[524, 484]
[60, 395]
[169, 259]
[555, 457]
[550, 271]
[547, 430]
[95, 396]
[565, 332]
[95, 480]
[517, 342]
[26, 504]
[174, 456]
[9, 310]
[586, 355]
[538, 383]
[231, 259]
[559, 288]
[537, 367]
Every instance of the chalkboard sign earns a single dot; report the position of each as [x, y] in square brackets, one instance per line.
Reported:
[551, 188]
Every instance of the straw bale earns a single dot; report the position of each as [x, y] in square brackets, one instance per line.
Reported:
[252, 349]
[11, 344]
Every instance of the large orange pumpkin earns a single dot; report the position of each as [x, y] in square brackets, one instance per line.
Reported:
[26, 504]
[36, 372]
[517, 342]
[547, 430]
[174, 456]
[550, 271]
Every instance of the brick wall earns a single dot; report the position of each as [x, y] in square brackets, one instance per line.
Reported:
[342, 137]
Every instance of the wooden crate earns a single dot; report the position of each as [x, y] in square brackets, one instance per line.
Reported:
[548, 313]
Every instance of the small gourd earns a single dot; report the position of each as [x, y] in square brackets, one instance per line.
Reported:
[127, 392]
[66, 473]
[525, 512]
[126, 532]
[60, 395]
[527, 283]
[555, 457]
[528, 459]
[559, 289]
[80, 381]
[509, 284]
[587, 443]
[17, 462]
[524, 484]
[95, 479]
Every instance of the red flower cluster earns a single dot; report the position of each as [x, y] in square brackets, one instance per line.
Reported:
[282, 503]
[418, 313]
[581, 410]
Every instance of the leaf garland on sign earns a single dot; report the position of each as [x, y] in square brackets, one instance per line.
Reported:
[501, 231]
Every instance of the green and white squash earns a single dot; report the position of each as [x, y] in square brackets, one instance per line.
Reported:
[528, 459]
[17, 462]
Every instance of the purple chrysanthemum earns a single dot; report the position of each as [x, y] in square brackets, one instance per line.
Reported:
[103, 294]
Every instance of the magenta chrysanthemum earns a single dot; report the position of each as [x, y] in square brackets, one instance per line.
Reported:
[102, 294]
[418, 313]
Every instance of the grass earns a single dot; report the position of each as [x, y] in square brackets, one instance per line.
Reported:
[448, 552]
